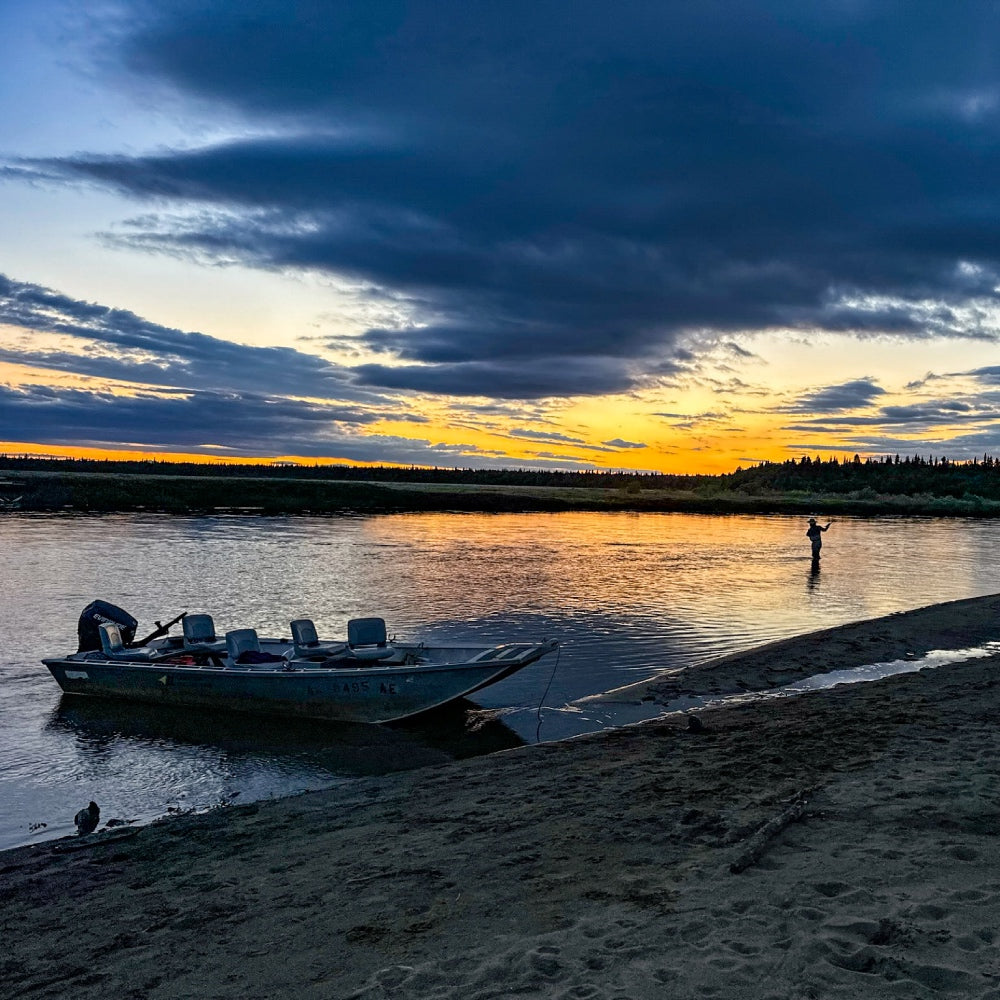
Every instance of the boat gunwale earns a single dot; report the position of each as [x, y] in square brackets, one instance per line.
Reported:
[291, 668]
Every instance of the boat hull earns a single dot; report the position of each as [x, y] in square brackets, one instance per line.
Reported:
[367, 694]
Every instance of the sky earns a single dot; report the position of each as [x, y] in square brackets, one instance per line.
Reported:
[644, 234]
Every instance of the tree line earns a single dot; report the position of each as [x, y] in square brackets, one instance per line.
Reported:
[604, 479]
[887, 475]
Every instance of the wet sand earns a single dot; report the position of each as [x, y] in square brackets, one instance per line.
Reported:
[840, 844]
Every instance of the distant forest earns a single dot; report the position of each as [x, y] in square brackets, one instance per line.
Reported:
[863, 478]
[887, 476]
[355, 473]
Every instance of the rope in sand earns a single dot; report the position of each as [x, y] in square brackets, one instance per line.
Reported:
[538, 711]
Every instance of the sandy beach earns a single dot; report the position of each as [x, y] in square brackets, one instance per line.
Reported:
[838, 844]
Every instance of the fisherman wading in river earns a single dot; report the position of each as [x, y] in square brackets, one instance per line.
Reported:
[815, 535]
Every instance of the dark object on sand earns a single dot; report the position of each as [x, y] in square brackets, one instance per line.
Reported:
[761, 840]
[695, 724]
[87, 819]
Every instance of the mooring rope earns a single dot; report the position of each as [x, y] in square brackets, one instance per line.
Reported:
[538, 712]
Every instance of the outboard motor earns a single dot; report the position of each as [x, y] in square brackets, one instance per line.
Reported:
[93, 615]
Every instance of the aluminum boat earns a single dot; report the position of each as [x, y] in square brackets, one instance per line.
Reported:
[365, 677]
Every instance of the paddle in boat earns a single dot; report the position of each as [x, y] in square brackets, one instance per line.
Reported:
[365, 678]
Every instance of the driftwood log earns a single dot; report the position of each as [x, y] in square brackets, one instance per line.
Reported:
[759, 842]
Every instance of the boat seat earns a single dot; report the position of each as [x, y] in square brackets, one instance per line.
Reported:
[243, 646]
[113, 645]
[366, 639]
[306, 644]
[199, 629]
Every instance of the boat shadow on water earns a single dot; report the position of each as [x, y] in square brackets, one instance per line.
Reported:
[345, 749]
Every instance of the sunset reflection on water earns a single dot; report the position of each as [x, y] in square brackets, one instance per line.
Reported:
[744, 577]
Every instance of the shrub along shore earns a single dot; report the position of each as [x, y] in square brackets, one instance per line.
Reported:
[90, 488]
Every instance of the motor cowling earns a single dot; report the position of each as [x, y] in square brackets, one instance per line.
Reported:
[93, 615]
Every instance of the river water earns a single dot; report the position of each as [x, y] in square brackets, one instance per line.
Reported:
[627, 595]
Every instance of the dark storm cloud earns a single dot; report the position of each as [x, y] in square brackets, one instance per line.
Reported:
[961, 448]
[199, 393]
[133, 349]
[549, 377]
[921, 416]
[938, 410]
[582, 181]
[989, 375]
[619, 443]
[553, 437]
[929, 425]
[230, 423]
[834, 398]
[224, 425]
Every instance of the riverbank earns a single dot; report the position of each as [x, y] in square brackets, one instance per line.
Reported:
[121, 493]
[838, 844]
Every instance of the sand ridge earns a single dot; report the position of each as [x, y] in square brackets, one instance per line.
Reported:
[600, 867]
[903, 635]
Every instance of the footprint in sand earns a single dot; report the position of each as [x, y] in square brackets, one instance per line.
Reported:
[965, 853]
[968, 942]
[545, 959]
[743, 948]
[831, 889]
[968, 896]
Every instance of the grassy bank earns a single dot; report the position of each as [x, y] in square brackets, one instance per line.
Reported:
[98, 492]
